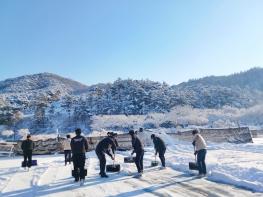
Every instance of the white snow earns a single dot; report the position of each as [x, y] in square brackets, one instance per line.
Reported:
[235, 165]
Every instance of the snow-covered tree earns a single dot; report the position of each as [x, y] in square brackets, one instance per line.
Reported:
[23, 132]
[7, 133]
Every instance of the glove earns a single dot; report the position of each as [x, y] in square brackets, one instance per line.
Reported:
[112, 158]
[195, 153]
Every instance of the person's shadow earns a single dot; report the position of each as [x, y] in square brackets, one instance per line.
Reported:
[153, 188]
[61, 186]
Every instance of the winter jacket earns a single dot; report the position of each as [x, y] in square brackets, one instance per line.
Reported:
[104, 146]
[27, 145]
[66, 144]
[199, 142]
[137, 145]
[159, 144]
[79, 145]
[115, 142]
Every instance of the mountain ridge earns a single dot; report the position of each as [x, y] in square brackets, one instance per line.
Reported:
[47, 100]
[37, 82]
[224, 80]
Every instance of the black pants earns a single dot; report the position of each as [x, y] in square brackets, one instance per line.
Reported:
[28, 158]
[79, 164]
[201, 161]
[102, 159]
[67, 154]
[139, 161]
[161, 156]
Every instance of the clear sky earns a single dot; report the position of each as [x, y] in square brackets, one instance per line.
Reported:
[94, 41]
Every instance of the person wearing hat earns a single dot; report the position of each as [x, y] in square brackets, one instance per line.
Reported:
[27, 146]
[103, 147]
[200, 150]
[139, 150]
[159, 147]
[67, 149]
[79, 146]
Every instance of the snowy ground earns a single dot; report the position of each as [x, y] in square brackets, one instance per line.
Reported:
[238, 166]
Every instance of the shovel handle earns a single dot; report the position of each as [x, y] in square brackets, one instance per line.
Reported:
[195, 154]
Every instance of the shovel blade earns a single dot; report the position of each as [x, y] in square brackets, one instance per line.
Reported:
[193, 166]
[113, 168]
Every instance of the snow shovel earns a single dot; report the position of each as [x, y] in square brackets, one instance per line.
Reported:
[75, 173]
[154, 163]
[193, 165]
[33, 163]
[113, 167]
[129, 159]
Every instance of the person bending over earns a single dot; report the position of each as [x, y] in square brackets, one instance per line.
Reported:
[106, 145]
[139, 150]
[159, 147]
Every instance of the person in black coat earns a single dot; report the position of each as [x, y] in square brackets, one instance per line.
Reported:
[138, 149]
[113, 136]
[159, 147]
[103, 147]
[79, 146]
[27, 147]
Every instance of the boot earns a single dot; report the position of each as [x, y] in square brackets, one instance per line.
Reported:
[81, 182]
[104, 176]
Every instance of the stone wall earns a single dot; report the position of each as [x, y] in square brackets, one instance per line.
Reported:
[48, 146]
[232, 135]
[55, 145]
[254, 133]
[7, 147]
[259, 133]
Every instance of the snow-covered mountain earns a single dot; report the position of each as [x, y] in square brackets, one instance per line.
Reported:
[44, 102]
[238, 90]
[40, 82]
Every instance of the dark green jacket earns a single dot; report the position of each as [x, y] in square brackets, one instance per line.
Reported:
[159, 144]
[27, 145]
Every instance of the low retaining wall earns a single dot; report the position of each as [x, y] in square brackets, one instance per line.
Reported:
[42, 147]
[259, 133]
[232, 135]
[55, 145]
[254, 133]
[6, 149]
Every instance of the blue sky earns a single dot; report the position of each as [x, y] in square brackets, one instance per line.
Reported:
[99, 41]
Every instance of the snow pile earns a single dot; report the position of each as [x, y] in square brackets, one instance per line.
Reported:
[102, 133]
[233, 164]
[240, 165]
[51, 178]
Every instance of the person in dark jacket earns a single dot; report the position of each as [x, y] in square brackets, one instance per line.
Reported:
[138, 149]
[159, 147]
[113, 136]
[103, 147]
[27, 147]
[79, 146]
